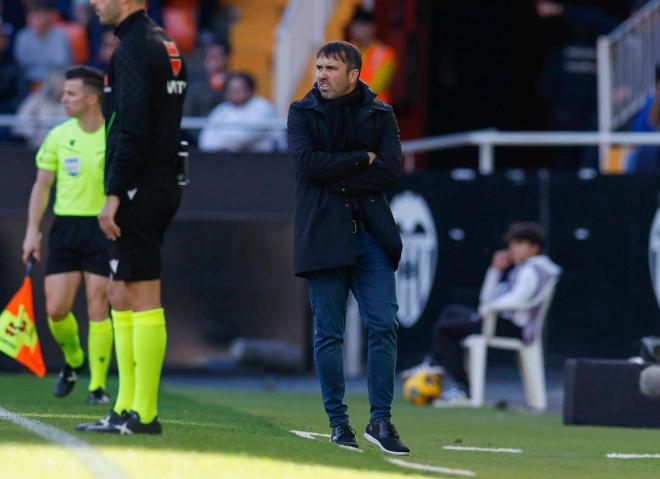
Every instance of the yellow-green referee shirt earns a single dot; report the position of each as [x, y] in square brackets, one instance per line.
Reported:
[78, 159]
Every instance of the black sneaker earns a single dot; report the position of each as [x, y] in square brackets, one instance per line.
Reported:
[98, 396]
[106, 424]
[383, 434]
[67, 380]
[133, 425]
[343, 435]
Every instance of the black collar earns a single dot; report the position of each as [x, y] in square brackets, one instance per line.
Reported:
[368, 96]
[134, 18]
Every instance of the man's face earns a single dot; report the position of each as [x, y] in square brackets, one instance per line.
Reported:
[215, 60]
[40, 21]
[238, 91]
[522, 250]
[333, 79]
[76, 98]
[109, 11]
[361, 33]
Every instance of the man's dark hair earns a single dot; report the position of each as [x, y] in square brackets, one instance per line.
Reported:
[362, 15]
[40, 5]
[343, 51]
[91, 77]
[217, 42]
[526, 231]
[246, 77]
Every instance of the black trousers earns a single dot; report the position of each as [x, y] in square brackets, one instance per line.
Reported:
[448, 334]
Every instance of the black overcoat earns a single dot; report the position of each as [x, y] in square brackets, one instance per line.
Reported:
[328, 179]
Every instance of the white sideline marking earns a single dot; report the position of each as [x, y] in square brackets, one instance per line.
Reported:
[314, 435]
[92, 459]
[503, 450]
[309, 435]
[614, 455]
[425, 467]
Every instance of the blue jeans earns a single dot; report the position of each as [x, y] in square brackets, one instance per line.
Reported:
[371, 279]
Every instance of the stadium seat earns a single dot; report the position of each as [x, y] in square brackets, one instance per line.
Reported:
[530, 356]
[180, 24]
[78, 40]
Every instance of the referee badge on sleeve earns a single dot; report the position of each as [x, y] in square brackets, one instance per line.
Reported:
[72, 165]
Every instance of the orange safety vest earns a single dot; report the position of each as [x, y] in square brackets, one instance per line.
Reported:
[378, 63]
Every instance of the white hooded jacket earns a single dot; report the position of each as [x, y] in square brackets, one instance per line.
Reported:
[510, 298]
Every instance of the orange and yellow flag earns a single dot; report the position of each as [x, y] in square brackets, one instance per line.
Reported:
[18, 333]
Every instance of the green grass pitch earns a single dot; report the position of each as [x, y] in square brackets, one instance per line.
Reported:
[218, 433]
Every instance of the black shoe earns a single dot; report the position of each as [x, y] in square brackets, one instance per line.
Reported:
[67, 380]
[133, 425]
[98, 396]
[343, 435]
[106, 424]
[383, 434]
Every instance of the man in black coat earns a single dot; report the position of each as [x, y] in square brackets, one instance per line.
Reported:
[345, 145]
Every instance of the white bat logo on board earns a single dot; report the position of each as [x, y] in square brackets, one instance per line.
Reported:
[654, 255]
[419, 258]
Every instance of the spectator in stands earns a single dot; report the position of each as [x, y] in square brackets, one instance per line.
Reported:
[646, 158]
[208, 90]
[41, 47]
[108, 45]
[242, 107]
[214, 20]
[82, 12]
[11, 79]
[516, 275]
[378, 59]
[569, 82]
[590, 19]
[40, 105]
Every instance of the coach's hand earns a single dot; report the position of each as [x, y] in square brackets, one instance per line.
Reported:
[32, 246]
[107, 218]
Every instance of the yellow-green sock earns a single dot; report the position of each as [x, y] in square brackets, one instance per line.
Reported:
[122, 322]
[149, 341]
[66, 335]
[99, 352]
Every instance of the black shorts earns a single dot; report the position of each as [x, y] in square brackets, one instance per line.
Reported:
[76, 243]
[143, 220]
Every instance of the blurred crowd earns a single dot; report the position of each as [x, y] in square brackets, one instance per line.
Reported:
[40, 39]
[570, 85]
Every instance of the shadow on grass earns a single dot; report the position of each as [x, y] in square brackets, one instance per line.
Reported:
[253, 425]
[189, 426]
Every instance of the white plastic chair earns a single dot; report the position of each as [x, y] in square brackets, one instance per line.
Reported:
[530, 356]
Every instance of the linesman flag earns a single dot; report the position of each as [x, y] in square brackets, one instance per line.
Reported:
[18, 333]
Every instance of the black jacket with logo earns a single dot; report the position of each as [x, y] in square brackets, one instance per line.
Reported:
[144, 93]
[329, 181]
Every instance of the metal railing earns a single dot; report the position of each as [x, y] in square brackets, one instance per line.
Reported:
[487, 140]
[299, 35]
[627, 58]
[187, 123]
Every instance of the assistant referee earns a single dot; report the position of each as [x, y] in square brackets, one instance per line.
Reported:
[144, 94]
[72, 157]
